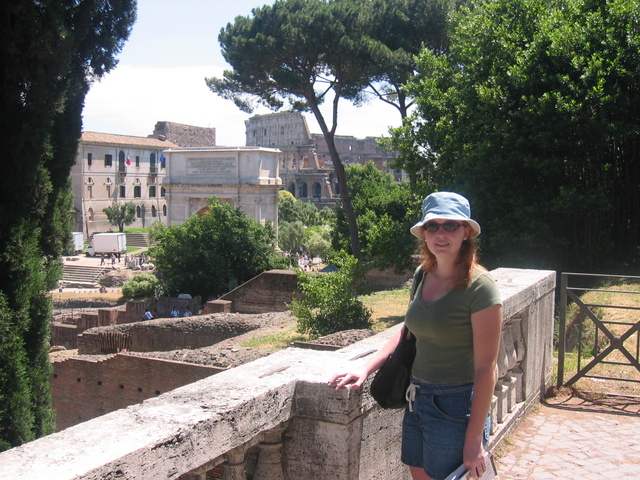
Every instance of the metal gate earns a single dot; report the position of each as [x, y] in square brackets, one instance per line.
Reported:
[613, 340]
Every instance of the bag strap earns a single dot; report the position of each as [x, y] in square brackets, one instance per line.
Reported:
[417, 278]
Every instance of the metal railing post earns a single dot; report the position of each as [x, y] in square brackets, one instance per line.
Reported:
[562, 321]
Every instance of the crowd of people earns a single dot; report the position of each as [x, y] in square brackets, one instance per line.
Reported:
[140, 261]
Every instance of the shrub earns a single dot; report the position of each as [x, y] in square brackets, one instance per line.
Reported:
[330, 300]
[143, 285]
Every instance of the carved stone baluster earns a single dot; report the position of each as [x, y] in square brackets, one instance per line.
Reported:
[509, 381]
[269, 465]
[234, 467]
[517, 372]
[500, 391]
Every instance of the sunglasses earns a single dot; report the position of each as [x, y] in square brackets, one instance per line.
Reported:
[447, 227]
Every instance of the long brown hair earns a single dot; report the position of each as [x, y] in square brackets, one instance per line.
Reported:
[466, 263]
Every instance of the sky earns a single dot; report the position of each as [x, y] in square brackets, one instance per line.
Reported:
[160, 76]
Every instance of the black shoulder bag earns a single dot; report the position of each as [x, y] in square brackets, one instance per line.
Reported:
[390, 383]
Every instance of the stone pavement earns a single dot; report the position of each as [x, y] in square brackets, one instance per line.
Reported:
[569, 437]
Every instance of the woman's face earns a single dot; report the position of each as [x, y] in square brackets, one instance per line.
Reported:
[445, 237]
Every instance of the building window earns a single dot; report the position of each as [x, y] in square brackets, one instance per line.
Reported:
[137, 160]
[152, 191]
[108, 190]
[89, 159]
[90, 214]
[89, 191]
[137, 191]
[163, 192]
[164, 210]
[122, 191]
[154, 213]
[138, 212]
[108, 160]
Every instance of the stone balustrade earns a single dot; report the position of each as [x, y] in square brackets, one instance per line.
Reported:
[276, 418]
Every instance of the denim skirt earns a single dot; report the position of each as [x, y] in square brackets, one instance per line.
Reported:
[434, 426]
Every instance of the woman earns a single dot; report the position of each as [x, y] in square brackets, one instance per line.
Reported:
[456, 317]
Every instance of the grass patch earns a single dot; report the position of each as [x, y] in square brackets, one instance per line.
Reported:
[276, 341]
[388, 307]
[583, 332]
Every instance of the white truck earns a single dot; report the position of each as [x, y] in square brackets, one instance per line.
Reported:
[78, 242]
[107, 243]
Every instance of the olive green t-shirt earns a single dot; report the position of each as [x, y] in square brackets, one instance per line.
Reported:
[444, 339]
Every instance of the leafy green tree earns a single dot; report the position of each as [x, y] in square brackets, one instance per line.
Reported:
[51, 53]
[329, 301]
[291, 236]
[398, 30]
[207, 253]
[319, 241]
[385, 212]
[301, 51]
[292, 210]
[533, 116]
[327, 216]
[121, 214]
[142, 285]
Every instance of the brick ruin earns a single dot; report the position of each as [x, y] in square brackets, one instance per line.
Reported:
[108, 374]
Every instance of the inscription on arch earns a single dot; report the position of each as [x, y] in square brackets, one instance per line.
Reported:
[211, 166]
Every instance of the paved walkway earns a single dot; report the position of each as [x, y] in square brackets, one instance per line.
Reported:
[575, 438]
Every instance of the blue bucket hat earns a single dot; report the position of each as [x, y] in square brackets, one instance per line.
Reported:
[445, 206]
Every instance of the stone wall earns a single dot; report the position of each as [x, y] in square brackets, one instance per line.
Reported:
[83, 389]
[268, 292]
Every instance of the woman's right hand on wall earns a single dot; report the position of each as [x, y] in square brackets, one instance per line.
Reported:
[349, 380]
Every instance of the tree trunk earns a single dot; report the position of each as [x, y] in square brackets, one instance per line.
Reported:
[338, 167]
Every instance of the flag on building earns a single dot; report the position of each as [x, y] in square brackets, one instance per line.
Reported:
[163, 161]
[128, 162]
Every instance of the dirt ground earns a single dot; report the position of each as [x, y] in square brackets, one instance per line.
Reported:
[231, 352]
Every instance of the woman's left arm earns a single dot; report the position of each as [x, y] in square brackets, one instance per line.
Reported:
[487, 327]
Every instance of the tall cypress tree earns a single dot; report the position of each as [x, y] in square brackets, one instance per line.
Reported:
[52, 52]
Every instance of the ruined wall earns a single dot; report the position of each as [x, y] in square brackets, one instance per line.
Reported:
[64, 334]
[185, 135]
[268, 292]
[163, 334]
[271, 291]
[84, 389]
[277, 129]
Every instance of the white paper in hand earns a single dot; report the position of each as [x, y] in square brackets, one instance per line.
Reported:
[462, 473]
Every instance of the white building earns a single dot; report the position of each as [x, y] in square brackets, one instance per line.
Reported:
[118, 168]
[245, 177]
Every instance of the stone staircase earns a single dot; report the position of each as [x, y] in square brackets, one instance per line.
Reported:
[81, 274]
[138, 240]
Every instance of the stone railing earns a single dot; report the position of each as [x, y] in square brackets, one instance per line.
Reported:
[276, 418]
